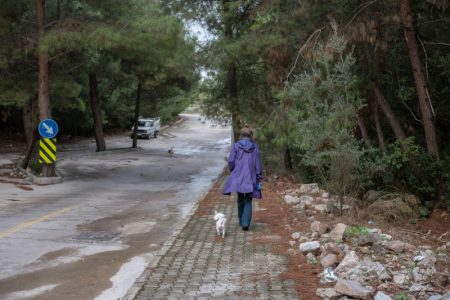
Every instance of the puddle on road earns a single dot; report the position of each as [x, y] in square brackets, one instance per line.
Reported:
[30, 293]
[98, 236]
[137, 227]
[124, 279]
[70, 254]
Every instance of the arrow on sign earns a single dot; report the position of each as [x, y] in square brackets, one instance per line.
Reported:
[48, 129]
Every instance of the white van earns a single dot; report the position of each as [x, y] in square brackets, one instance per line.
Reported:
[147, 127]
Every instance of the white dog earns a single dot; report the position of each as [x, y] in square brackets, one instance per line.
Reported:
[221, 221]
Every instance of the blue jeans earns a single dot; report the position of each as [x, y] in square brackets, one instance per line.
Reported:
[244, 202]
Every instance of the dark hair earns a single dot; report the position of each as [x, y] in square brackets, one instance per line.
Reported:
[246, 132]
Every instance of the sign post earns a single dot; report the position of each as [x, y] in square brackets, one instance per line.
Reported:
[48, 129]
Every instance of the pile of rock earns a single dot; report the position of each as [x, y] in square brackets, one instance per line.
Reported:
[369, 264]
[309, 198]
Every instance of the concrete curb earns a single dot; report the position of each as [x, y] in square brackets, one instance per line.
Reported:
[42, 180]
[143, 278]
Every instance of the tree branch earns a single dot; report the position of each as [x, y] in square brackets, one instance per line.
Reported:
[359, 9]
[300, 51]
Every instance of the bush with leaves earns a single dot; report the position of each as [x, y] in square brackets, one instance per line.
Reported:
[326, 99]
[411, 169]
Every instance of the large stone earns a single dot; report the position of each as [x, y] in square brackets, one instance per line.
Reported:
[349, 262]
[328, 261]
[369, 239]
[327, 293]
[310, 247]
[386, 237]
[312, 188]
[300, 206]
[352, 288]
[382, 296]
[417, 275]
[319, 227]
[322, 208]
[289, 199]
[395, 246]
[296, 235]
[332, 248]
[306, 200]
[429, 260]
[401, 279]
[370, 196]
[303, 239]
[338, 232]
[409, 247]
[417, 288]
[374, 270]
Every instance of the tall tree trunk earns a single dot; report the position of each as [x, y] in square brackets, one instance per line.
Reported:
[43, 98]
[421, 86]
[96, 112]
[136, 113]
[232, 96]
[287, 157]
[58, 9]
[363, 129]
[376, 118]
[30, 123]
[386, 108]
[231, 81]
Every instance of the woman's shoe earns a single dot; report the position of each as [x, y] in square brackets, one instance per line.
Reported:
[245, 228]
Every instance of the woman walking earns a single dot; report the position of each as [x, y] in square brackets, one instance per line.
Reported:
[245, 179]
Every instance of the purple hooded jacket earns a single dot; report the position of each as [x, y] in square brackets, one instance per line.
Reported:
[245, 167]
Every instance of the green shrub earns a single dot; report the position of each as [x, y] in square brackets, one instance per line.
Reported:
[415, 171]
[401, 296]
[355, 231]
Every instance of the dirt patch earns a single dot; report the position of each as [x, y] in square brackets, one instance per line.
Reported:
[282, 221]
[24, 187]
[208, 203]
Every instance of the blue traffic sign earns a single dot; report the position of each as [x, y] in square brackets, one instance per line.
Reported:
[48, 128]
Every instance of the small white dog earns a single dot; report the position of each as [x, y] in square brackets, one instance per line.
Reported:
[221, 221]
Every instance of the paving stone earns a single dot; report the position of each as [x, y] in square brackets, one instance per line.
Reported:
[197, 265]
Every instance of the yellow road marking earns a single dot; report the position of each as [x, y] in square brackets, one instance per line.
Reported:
[32, 222]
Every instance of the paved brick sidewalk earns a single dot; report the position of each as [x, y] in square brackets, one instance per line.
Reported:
[199, 265]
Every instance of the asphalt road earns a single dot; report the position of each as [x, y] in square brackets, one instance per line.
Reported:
[92, 235]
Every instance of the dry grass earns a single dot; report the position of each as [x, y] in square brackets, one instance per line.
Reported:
[394, 208]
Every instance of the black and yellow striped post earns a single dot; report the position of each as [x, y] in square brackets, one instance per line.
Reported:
[47, 151]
